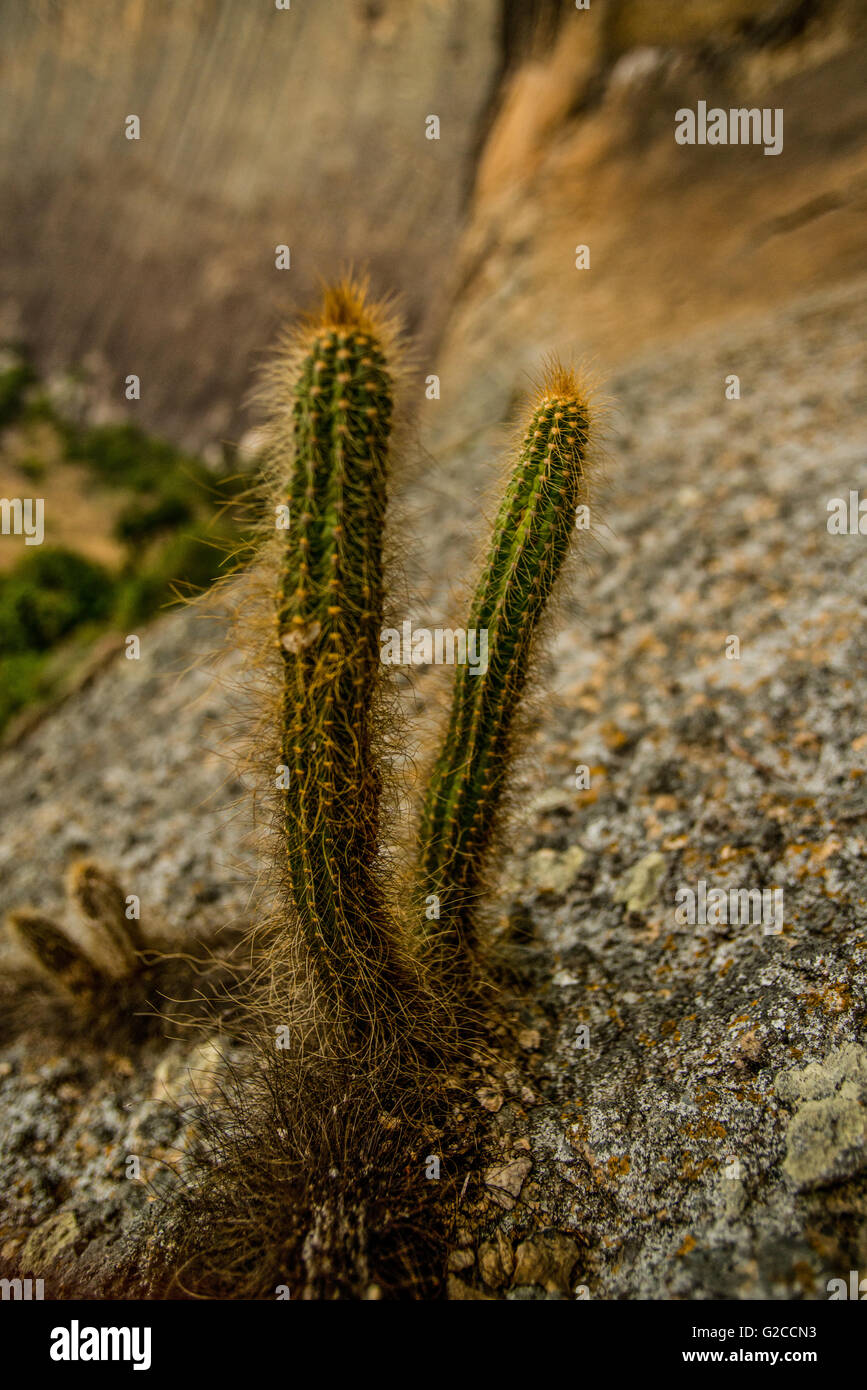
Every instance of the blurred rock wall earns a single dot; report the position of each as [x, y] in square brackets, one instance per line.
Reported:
[259, 127]
[306, 127]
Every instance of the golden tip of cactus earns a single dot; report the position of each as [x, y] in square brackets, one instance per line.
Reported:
[347, 304]
[565, 398]
[347, 314]
[561, 385]
[344, 305]
[348, 309]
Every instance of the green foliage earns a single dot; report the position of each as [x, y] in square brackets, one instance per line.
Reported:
[124, 456]
[179, 568]
[15, 380]
[139, 523]
[34, 469]
[48, 593]
[174, 539]
[22, 682]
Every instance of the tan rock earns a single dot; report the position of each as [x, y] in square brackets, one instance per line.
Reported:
[551, 872]
[509, 1177]
[490, 1099]
[639, 888]
[491, 1265]
[548, 1261]
[460, 1260]
[666, 22]
[47, 1241]
[460, 1292]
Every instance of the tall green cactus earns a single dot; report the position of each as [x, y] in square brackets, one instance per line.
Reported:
[330, 600]
[530, 542]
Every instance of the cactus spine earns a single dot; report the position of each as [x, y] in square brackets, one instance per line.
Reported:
[529, 545]
[330, 600]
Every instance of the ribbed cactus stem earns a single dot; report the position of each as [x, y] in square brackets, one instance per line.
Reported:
[531, 539]
[329, 617]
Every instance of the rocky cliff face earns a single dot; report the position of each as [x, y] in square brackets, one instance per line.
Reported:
[259, 128]
[691, 1117]
[307, 128]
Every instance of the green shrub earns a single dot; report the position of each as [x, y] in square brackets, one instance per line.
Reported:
[14, 382]
[124, 456]
[48, 593]
[181, 566]
[21, 682]
[32, 468]
[139, 523]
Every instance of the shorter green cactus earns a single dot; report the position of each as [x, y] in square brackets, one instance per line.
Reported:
[530, 543]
